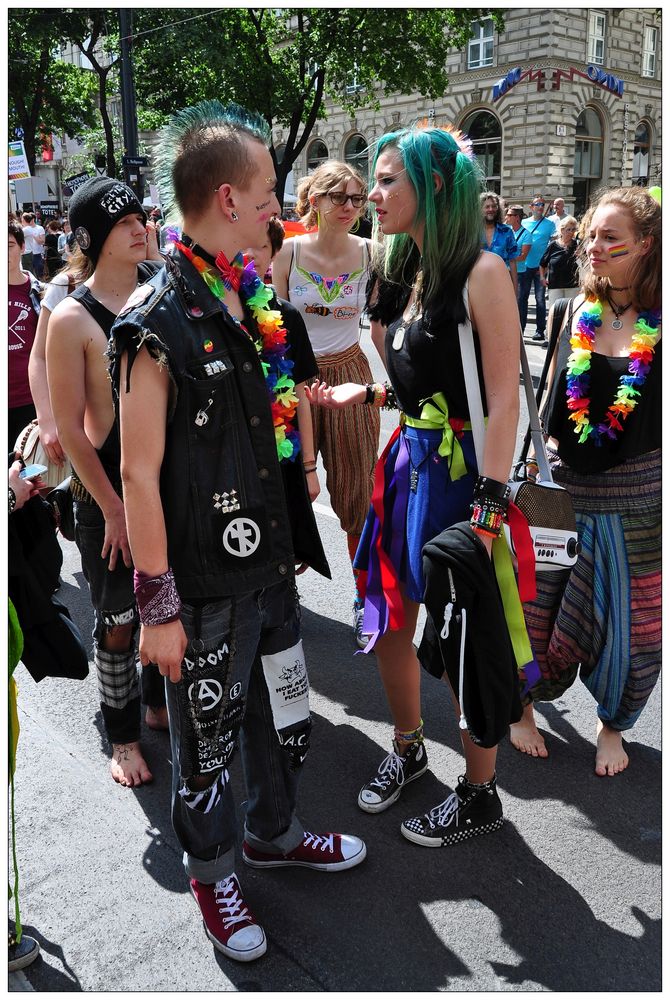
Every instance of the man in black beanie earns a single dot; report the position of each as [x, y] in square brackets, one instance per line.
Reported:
[109, 226]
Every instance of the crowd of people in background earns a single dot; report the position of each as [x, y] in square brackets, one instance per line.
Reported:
[225, 348]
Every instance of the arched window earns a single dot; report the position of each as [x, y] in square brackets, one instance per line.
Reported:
[356, 154]
[588, 168]
[641, 154]
[484, 130]
[317, 152]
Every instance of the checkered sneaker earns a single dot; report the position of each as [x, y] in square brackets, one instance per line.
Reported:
[327, 852]
[229, 923]
[470, 811]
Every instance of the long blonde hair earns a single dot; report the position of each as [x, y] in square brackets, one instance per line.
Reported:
[645, 277]
[327, 177]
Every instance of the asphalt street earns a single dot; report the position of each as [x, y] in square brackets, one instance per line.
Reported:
[566, 897]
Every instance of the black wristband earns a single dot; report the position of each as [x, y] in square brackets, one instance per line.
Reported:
[491, 488]
[369, 394]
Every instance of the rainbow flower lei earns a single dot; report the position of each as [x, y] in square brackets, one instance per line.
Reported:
[578, 380]
[271, 346]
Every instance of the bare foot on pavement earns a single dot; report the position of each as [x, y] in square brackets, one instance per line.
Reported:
[128, 766]
[611, 758]
[525, 735]
[157, 718]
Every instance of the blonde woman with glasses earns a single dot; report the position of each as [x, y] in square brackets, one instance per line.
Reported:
[324, 274]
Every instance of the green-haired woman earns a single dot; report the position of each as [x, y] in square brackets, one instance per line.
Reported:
[426, 196]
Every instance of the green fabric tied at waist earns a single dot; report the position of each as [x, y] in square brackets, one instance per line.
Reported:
[435, 417]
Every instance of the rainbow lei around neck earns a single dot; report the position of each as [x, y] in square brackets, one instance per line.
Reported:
[640, 355]
[271, 345]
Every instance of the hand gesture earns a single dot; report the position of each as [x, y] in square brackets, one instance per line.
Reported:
[335, 397]
[164, 645]
[116, 538]
[49, 441]
[153, 253]
[23, 489]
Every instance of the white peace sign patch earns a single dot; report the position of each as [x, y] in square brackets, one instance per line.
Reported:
[210, 693]
[241, 537]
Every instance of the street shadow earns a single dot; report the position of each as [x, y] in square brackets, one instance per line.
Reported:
[51, 971]
[620, 809]
[387, 925]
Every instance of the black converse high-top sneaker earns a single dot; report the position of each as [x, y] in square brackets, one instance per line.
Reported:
[468, 812]
[394, 772]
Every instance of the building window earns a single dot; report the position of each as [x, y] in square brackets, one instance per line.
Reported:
[279, 152]
[484, 131]
[597, 23]
[480, 46]
[588, 167]
[641, 155]
[356, 154]
[649, 51]
[317, 152]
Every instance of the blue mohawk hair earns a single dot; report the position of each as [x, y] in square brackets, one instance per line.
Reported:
[198, 123]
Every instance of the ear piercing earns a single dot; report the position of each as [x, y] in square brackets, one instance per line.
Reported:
[234, 216]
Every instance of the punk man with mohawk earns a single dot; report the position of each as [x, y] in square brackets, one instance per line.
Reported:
[207, 412]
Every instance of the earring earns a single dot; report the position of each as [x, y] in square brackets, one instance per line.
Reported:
[234, 216]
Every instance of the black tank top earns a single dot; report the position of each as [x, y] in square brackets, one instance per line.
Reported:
[110, 452]
[642, 429]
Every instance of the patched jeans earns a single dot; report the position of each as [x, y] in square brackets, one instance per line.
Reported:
[113, 601]
[223, 695]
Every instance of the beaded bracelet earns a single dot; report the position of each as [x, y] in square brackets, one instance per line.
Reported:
[487, 518]
[157, 599]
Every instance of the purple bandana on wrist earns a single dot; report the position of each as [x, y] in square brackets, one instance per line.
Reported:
[157, 598]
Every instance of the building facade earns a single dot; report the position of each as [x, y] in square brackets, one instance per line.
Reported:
[562, 102]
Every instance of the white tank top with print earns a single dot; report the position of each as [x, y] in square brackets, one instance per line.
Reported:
[330, 306]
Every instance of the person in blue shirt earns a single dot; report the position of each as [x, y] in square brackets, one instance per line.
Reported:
[541, 231]
[497, 237]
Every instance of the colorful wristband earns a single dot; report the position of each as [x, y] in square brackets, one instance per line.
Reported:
[157, 598]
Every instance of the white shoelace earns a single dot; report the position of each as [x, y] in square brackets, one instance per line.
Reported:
[445, 813]
[231, 905]
[315, 840]
[390, 769]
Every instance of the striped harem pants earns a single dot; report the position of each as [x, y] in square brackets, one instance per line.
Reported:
[348, 440]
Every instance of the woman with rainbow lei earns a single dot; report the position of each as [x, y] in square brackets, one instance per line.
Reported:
[603, 421]
[426, 197]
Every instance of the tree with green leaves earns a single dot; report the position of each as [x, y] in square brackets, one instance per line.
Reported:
[284, 62]
[42, 90]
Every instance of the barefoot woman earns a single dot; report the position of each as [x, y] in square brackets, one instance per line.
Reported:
[426, 198]
[603, 417]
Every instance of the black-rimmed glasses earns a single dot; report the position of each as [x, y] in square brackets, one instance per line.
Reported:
[340, 198]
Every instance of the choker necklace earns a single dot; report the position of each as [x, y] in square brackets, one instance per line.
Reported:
[618, 311]
[623, 288]
[578, 377]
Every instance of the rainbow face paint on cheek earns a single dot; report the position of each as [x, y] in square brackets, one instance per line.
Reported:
[620, 250]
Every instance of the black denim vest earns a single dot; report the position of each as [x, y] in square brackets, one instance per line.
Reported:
[221, 486]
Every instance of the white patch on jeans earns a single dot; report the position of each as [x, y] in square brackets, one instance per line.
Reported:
[288, 686]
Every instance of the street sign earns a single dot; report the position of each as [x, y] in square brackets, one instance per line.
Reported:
[135, 161]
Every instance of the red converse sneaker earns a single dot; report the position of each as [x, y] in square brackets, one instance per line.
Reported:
[328, 852]
[229, 923]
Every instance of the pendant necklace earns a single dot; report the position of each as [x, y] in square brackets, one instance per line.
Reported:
[415, 309]
[617, 323]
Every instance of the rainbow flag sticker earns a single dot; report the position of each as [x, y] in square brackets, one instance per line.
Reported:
[620, 250]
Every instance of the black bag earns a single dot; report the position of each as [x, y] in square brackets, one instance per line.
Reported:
[61, 500]
[52, 644]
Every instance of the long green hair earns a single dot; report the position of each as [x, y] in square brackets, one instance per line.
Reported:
[451, 214]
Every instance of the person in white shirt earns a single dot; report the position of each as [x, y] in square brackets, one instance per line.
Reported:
[558, 214]
[34, 235]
